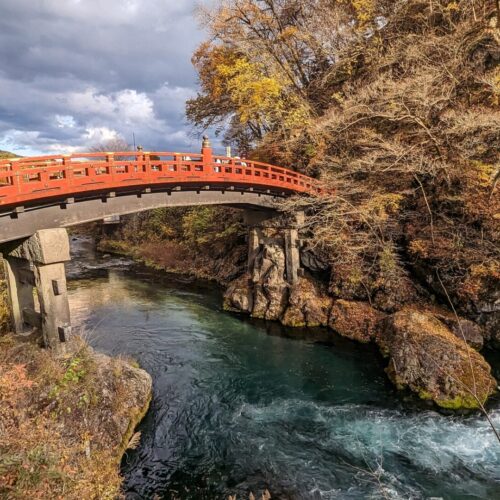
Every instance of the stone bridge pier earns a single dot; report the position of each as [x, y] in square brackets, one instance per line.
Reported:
[36, 264]
[286, 235]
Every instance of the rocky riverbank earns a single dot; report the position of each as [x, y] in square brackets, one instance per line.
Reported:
[429, 349]
[66, 421]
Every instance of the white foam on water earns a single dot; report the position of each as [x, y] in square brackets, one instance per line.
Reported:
[401, 448]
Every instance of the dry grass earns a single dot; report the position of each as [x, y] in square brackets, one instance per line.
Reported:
[60, 429]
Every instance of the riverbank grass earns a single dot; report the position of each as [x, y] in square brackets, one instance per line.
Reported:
[65, 421]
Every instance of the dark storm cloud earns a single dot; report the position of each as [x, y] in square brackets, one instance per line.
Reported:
[76, 72]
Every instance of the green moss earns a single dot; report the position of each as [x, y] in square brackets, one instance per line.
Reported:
[464, 402]
[460, 402]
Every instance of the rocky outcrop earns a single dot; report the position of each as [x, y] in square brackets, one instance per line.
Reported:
[462, 328]
[430, 349]
[239, 295]
[355, 320]
[308, 305]
[425, 356]
[267, 295]
[128, 384]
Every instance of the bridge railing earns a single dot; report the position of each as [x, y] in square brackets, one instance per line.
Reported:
[24, 180]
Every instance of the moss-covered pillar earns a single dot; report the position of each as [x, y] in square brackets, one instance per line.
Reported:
[37, 263]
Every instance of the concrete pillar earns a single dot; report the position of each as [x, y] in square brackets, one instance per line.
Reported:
[110, 225]
[37, 263]
[288, 227]
[254, 219]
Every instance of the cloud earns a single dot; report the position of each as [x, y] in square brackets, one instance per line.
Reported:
[77, 71]
[65, 121]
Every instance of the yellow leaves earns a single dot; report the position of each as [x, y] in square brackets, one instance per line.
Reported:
[364, 11]
[338, 98]
[254, 95]
[482, 174]
[419, 248]
[452, 7]
[257, 97]
[381, 206]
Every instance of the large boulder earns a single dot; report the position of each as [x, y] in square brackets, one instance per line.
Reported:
[428, 358]
[462, 328]
[308, 305]
[312, 259]
[355, 320]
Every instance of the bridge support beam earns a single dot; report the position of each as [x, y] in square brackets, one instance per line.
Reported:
[37, 264]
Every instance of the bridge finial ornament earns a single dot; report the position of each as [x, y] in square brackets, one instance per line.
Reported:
[206, 142]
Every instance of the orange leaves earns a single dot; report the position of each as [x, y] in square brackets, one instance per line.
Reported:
[13, 379]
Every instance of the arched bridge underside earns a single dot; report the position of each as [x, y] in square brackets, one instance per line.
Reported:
[61, 191]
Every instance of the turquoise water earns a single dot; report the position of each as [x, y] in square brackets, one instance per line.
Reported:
[241, 406]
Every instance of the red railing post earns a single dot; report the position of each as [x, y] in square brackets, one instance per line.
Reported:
[207, 154]
[16, 175]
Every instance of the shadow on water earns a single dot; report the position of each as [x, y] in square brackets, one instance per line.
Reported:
[242, 405]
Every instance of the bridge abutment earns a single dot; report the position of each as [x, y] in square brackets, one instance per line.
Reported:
[36, 264]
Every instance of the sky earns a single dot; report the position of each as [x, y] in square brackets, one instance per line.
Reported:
[76, 73]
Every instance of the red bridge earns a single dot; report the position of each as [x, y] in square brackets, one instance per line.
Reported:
[63, 190]
[41, 196]
[37, 179]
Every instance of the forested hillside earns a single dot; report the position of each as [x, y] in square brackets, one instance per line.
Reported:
[7, 154]
[396, 105]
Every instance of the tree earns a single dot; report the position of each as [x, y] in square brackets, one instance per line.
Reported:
[393, 103]
[116, 144]
[265, 71]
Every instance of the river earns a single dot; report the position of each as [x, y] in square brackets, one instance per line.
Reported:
[242, 406]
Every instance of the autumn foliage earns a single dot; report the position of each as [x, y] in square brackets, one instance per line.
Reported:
[395, 104]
